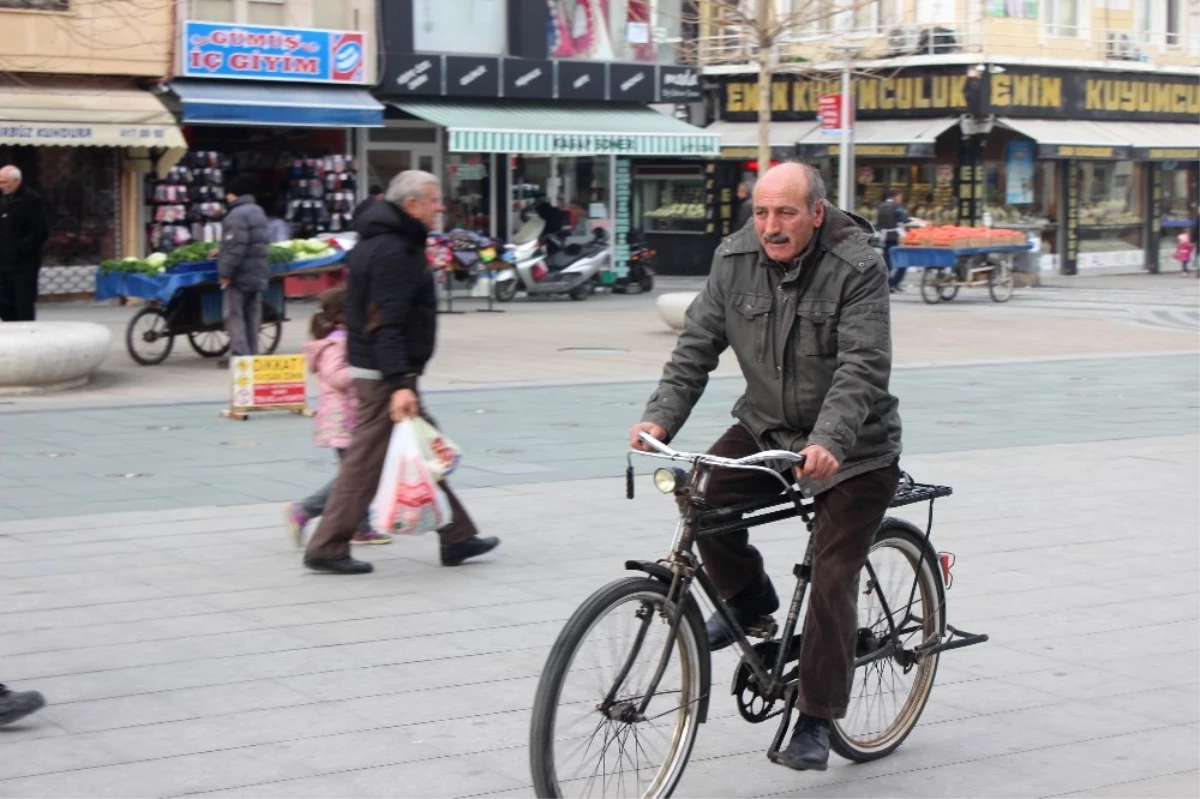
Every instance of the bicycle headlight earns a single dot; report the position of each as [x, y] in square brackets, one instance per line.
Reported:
[667, 480]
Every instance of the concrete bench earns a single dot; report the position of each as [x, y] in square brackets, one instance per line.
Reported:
[672, 307]
[39, 357]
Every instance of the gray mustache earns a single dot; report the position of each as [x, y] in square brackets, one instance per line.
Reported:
[776, 238]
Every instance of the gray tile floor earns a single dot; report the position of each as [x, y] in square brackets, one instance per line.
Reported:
[184, 651]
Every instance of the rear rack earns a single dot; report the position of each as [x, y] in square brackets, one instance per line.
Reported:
[908, 493]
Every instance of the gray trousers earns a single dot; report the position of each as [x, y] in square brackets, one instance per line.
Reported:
[314, 504]
[242, 312]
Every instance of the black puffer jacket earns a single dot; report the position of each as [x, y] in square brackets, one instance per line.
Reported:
[245, 246]
[391, 301]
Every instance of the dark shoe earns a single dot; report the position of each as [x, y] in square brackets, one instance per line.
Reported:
[17, 705]
[809, 748]
[454, 554]
[346, 565]
[222, 363]
[748, 606]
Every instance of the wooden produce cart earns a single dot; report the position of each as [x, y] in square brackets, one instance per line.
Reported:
[947, 269]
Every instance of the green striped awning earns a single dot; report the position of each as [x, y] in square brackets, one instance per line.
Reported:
[563, 129]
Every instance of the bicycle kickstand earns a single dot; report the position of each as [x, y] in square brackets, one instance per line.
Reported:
[785, 721]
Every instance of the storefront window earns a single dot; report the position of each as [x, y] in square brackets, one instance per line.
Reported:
[619, 30]
[577, 189]
[80, 187]
[1179, 193]
[669, 200]
[468, 189]
[1110, 213]
[1018, 199]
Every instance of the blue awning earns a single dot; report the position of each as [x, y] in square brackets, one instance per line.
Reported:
[310, 105]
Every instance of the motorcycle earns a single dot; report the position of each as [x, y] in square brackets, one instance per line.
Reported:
[548, 265]
[640, 278]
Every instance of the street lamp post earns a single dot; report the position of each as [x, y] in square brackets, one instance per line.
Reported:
[846, 159]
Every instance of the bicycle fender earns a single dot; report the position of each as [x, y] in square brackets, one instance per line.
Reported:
[664, 575]
[905, 524]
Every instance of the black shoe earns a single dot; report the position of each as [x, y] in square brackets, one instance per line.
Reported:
[454, 554]
[748, 605]
[222, 363]
[17, 705]
[346, 565]
[809, 748]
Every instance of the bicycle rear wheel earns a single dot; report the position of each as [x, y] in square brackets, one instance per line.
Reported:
[584, 744]
[888, 695]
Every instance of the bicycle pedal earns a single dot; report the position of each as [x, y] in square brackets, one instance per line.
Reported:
[763, 627]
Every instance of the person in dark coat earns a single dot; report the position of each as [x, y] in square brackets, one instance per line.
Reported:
[374, 195]
[243, 267]
[391, 322]
[745, 209]
[23, 233]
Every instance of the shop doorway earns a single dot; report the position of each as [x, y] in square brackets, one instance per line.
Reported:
[400, 146]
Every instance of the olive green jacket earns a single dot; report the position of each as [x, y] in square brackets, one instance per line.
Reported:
[814, 344]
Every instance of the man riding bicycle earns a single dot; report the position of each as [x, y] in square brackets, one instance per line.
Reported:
[802, 299]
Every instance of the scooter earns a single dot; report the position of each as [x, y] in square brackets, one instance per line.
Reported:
[640, 278]
[553, 269]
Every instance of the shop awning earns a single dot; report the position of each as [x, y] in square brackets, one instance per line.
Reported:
[1075, 138]
[77, 117]
[1158, 141]
[740, 139]
[243, 103]
[562, 129]
[880, 138]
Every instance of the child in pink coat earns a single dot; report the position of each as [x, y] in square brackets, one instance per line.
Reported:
[336, 406]
[1183, 253]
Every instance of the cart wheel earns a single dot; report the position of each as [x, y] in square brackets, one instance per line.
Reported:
[148, 337]
[210, 343]
[931, 286]
[269, 334]
[948, 291]
[1000, 282]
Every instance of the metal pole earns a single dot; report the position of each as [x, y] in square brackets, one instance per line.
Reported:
[845, 187]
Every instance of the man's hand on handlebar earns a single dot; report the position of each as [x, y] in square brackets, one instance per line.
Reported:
[649, 428]
[819, 463]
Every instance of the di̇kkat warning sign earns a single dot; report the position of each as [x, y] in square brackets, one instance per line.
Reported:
[262, 382]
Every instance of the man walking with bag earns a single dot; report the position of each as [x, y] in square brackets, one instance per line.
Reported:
[243, 267]
[391, 320]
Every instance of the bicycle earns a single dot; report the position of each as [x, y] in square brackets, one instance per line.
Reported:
[621, 701]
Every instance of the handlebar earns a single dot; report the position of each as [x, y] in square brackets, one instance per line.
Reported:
[750, 461]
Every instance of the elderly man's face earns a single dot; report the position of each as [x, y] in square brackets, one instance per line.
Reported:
[782, 220]
[9, 182]
[426, 209]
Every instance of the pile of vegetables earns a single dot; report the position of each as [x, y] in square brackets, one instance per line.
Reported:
[308, 249]
[155, 264]
[284, 252]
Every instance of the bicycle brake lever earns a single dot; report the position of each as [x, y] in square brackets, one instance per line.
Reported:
[628, 477]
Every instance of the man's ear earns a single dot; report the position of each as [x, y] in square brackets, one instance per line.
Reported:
[819, 216]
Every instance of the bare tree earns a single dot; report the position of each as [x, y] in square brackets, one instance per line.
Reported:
[758, 31]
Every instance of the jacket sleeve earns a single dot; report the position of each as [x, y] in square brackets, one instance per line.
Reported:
[696, 354]
[864, 363]
[235, 240]
[37, 229]
[396, 279]
[333, 368]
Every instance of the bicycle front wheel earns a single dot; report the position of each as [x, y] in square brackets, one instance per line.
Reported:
[588, 737]
[888, 694]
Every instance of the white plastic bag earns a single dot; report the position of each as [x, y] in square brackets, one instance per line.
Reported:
[440, 453]
[408, 500]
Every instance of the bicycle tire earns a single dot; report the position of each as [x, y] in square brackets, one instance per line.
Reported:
[898, 535]
[689, 644]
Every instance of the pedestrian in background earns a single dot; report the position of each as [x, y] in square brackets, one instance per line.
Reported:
[391, 322]
[243, 267]
[278, 228]
[890, 219]
[374, 195]
[23, 233]
[1183, 253]
[745, 209]
[336, 410]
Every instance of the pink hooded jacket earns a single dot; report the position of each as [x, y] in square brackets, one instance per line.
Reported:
[336, 403]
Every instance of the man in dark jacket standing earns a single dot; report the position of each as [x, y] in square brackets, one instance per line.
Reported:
[374, 195]
[802, 299]
[23, 233]
[391, 319]
[242, 266]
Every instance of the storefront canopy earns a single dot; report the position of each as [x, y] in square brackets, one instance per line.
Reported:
[244, 103]
[77, 117]
[562, 129]
[880, 138]
[1151, 141]
[740, 139]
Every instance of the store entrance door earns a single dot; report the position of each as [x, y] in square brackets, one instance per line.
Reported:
[400, 146]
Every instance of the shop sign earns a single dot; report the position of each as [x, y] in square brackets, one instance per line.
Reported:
[1085, 152]
[678, 85]
[528, 79]
[1080, 94]
[1166, 153]
[1018, 189]
[1072, 177]
[268, 381]
[413, 75]
[258, 52]
[621, 191]
[581, 80]
[470, 76]
[829, 112]
[631, 83]
[104, 134]
[920, 149]
[595, 144]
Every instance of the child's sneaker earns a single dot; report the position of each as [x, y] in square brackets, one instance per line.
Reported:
[370, 537]
[297, 520]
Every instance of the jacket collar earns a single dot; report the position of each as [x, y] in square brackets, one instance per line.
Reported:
[245, 199]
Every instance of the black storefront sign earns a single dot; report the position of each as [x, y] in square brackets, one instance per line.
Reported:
[581, 80]
[528, 79]
[1085, 152]
[678, 85]
[632, 83]
[923, 149]
[1084, 94]
[472, 76]
[1166, 153]
[412, 75]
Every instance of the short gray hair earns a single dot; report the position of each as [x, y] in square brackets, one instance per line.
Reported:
[410, 185]
[817, 192]
[12, 171]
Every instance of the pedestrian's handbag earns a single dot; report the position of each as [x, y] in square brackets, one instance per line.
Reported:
[408, 500]
[441, 454]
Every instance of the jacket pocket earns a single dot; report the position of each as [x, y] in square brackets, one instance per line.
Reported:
[818, 326]
[750, 322]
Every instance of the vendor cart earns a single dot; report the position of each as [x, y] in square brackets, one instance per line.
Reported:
[187, 302]
[947, 269]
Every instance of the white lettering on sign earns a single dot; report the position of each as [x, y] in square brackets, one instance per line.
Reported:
[528, 77]
[581, 81]
[634, 81]
[416, 76]
[681, 79]
[473, 75]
